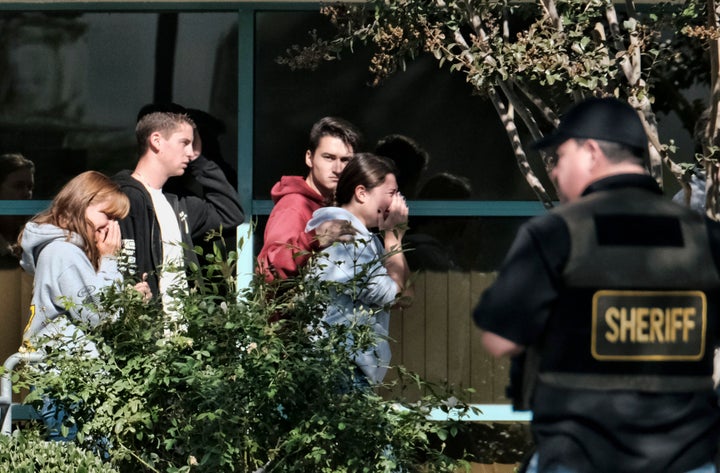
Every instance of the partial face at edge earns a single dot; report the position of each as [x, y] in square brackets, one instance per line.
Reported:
[573, 170]
[18, 185]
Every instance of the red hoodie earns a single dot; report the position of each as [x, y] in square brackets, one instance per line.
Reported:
[285, 234]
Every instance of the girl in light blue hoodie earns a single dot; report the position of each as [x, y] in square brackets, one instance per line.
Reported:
[70, 249]
[367, 198]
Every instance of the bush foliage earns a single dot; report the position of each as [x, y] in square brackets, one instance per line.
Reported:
[22, 453]
[239, 382]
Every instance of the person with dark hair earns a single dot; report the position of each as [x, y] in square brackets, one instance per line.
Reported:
[17, 177]
[695, 177]
[410, 159]
[431, 241]
[286, 245]
[158, 232]
[366, 198]
[445, 186]
[608, 306]
[17, 180]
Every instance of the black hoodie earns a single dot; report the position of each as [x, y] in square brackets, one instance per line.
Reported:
[218, 206]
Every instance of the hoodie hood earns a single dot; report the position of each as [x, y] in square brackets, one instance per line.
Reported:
[325, 214]
[124, 178]
[295, 185]
[37, 236]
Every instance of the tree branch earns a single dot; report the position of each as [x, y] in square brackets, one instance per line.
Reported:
[711, 132]
[508, 120]
[551, 12]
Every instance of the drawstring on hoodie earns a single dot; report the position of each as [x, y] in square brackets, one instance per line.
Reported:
[184, 219]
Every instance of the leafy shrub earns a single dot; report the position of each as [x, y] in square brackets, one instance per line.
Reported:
[241, 381]
[22, 453]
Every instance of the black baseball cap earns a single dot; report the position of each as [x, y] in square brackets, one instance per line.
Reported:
[607, 119]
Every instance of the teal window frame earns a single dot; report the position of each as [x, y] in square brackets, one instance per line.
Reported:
[246, 41]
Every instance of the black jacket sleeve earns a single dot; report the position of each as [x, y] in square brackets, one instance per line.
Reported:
[218, 206]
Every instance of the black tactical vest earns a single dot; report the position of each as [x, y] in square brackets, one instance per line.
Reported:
[638, 306]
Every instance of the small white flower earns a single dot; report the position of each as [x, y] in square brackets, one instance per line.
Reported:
[451, 402]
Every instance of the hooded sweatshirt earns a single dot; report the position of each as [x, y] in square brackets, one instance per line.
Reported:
[62, 275]
[286, 244]
[218, 207]
[367, 292]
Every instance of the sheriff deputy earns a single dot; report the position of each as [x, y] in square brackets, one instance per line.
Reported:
[608, 305]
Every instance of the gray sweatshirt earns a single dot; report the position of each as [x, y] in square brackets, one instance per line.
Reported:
[62, 275]
[364, 301]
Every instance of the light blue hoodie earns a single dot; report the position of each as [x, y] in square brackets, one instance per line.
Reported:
[365, 300]
[62, 273]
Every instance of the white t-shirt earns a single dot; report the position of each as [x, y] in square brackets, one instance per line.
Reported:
[172, 273]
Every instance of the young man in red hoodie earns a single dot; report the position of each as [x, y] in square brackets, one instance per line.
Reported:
[286, 244]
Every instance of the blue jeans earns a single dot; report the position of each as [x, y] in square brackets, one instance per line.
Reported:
[53, 418]
[533, 468]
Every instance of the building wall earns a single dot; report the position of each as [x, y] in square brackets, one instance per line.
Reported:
[15, 295]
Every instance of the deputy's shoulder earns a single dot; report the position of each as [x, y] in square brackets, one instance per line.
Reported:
[546, 224]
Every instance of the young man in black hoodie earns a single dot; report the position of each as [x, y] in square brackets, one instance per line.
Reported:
[159, 222]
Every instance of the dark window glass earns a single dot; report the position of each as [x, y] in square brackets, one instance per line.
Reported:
[459, 243]
[460, 132]
[72, 84]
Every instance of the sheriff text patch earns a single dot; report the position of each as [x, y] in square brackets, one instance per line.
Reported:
[649, 325]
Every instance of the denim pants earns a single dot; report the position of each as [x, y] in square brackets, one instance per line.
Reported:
[53, 418]
[533, 468]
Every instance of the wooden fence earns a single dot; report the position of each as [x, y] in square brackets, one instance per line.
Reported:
[437, 338]
[15, 295]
